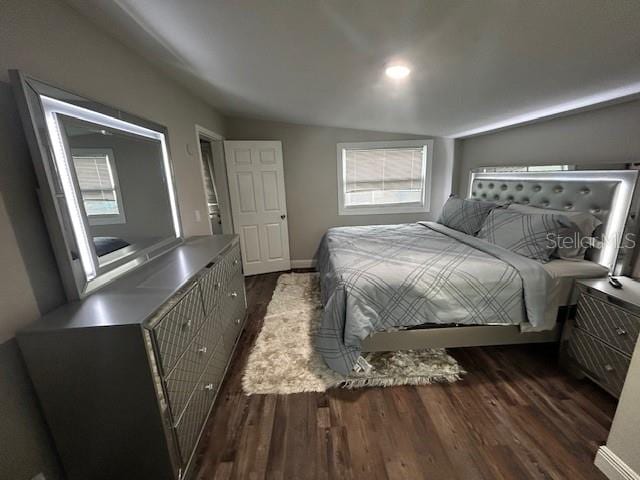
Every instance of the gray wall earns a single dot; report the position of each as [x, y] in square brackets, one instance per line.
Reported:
[605, 136]
[51, 41]
[624, 437]
[25, 445]
[310, 175]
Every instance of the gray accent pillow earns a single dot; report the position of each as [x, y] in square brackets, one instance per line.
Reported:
[586, 222]
[466, 216]
[575, 246]
[531, 235]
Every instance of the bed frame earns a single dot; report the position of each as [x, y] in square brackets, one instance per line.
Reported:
[607, 194]
[453, 337]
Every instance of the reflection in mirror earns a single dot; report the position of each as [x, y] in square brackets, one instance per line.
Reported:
[117, 185]
[120, 178]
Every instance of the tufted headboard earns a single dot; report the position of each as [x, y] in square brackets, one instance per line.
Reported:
[607, 194]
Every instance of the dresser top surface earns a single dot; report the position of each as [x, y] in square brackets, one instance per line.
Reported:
[137, 296]
[629, 293]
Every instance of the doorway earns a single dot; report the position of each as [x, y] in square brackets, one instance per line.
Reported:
[213, 205]
[210, 151]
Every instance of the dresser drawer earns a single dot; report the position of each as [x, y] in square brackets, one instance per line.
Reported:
[234, 298]
[175, 330]
[234, 293]
[231, 264]
[213, 327]
[604, 364]
[217, 276]
[181, 381]
[235, 313]
[192, 421]
[212, 285]
[610, 323]
[234, 328]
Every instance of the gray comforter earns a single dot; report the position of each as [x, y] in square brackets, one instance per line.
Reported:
[376, 278]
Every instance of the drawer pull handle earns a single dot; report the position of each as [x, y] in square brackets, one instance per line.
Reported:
[202, 350]
[237, 321]
[235, 262]
[208, 387]
[621, 331]
[186, 325]
[608, 368]
[217, 285]
[234, 294]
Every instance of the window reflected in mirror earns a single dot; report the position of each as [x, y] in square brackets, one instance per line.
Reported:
[99, 186]
[121, 183]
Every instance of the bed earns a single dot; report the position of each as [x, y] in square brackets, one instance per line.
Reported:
[424, 285]
[107, 245]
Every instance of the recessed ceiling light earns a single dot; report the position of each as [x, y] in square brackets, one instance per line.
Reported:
[397, 71]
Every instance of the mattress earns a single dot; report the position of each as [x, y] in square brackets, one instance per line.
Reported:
[564, 273]
[379, 277]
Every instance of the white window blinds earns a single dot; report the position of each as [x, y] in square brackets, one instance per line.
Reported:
[384, 175]
[93, 172]
[97, 183]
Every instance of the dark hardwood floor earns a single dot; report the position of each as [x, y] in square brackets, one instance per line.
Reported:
[515, 415]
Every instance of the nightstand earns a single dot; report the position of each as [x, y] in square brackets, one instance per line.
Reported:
[599, 341]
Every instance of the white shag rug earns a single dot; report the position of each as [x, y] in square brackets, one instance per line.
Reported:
[283, 359]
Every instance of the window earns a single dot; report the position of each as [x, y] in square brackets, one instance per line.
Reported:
[384, 177]
[99, 187]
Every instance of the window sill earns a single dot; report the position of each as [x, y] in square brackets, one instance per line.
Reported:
[383, 210]
[95, 220]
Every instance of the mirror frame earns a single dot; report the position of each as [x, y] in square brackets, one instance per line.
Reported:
[58, 192]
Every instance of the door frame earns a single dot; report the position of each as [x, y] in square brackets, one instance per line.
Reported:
[224, 202]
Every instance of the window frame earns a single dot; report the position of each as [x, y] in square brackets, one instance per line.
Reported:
[108, 219]
[380, 209]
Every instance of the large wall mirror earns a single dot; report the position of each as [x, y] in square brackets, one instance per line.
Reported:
[105, 184]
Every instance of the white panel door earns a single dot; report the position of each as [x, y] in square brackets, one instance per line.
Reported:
[258, 205]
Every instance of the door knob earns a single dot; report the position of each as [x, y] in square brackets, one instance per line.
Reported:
[283, 217]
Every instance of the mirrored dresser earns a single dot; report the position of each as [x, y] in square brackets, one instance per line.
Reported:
[599, 342]
[128, 376]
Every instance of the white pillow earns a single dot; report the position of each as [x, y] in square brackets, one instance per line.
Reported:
[585, 222]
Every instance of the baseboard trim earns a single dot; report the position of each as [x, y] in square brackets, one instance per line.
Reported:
[303, 263]
[612, 466]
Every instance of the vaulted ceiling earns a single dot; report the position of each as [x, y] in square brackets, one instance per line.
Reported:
[321, 62]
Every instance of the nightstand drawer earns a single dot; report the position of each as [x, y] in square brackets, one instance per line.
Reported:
[603, 364]
[611, 324]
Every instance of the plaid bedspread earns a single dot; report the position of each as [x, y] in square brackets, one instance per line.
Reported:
[377, 277]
